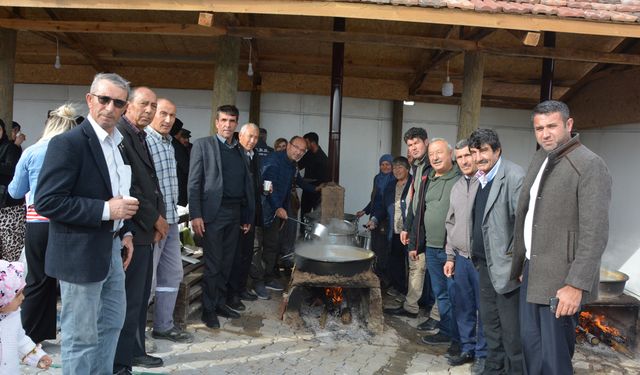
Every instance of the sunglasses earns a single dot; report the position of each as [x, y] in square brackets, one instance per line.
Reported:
[104, 100]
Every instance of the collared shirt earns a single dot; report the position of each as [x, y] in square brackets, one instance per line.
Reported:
[234, 142]
[484, 178]
[119, 173]
[164, 161]
[528, 219]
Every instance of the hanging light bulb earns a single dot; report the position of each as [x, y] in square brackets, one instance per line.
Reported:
[447, 86]
[250, 68]
[57, 64]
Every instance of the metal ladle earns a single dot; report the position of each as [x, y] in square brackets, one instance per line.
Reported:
[319, 230]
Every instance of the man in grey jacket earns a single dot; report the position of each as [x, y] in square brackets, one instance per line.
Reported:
[562, 228]
[466, 298]
[493, 218]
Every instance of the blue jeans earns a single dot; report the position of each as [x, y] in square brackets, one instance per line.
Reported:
[167, 275]
[466, 302]
[91, 319]
[442, 286]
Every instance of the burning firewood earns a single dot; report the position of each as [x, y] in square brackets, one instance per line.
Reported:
[590, 338]
[323, 317]
[345, 315]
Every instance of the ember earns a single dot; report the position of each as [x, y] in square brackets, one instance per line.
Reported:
[334, 295]
[594, 329]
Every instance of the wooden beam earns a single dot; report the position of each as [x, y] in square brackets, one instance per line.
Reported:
[528, 38]
[8, 41]
[100, 27]
[407, 41]
[225, 80]
[470, 102]
[320, 8]
[396, 127]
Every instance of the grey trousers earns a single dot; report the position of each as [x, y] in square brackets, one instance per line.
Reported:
[167, 275]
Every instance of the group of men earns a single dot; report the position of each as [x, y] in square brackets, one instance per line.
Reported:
[511, 254]
[110, 186]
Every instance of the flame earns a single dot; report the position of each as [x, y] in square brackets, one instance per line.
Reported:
[587, 320]
[335, 294]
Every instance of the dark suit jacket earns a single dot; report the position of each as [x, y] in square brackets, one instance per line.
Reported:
[144, 185]
[205, 183]
[257, 182]
[72, 188]
[182, 165]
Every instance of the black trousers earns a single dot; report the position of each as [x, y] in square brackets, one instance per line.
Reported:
[220, 244]
[241, 263]
[381, 247]
[40, 293]
[397, 265]
[501, 324]
[271, 243]
[137, 284]
[550, 342]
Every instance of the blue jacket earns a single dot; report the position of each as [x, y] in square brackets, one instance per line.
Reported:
[387, 207]
[25, 178]
[281, 171]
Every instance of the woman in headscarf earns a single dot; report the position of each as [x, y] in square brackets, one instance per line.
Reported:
[40, 295]
[379, 242]
[11, 210]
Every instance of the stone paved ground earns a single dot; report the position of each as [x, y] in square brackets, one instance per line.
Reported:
[259, 343]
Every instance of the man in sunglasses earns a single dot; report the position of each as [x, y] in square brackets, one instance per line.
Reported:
[149, 226]
[82, 189]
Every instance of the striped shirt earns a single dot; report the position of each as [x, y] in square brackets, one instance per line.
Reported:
[164, 160]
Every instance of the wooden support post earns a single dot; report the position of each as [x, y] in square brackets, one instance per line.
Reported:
[471, 93]
[225, 79]
[546, 84]
[396, 127]
[7, 74]
[254, 101]
[335, 119]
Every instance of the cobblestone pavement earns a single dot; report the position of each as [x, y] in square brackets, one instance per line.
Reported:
[259, 343]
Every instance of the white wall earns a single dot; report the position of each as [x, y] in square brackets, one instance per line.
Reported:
[366, 134]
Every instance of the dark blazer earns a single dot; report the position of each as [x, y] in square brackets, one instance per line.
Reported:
[72, 188]
[144, 185]
[182, 166]
[257, 182]
[388, 206]
[205, 182]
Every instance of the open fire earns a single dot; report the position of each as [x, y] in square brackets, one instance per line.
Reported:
[335, 303]
[594, 329]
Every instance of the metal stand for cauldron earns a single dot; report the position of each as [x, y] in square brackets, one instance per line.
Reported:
[371, 307]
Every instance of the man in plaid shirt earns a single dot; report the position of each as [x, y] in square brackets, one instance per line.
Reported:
[167, 261]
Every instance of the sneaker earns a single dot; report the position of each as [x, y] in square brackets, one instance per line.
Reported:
[174, 334]
[400, 298]
[453, 350]
[235, 304]
[274, 285]
[261, 291]
[428, 325]
[248, 295]
[392, 292]
[437, 339]
[477, 368]
[461, 359]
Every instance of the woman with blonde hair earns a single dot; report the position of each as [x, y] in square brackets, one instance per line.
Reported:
[39, 306]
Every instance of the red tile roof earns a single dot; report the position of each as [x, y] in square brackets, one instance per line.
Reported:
[596, 10]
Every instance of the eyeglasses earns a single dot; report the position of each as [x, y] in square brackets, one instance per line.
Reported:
[104, 100]
[303, 150]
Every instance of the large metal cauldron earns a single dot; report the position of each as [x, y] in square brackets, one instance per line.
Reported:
[340, 232]
[611, 283]
[342, 260]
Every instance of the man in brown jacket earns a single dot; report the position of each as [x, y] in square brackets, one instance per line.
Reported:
[562, 226]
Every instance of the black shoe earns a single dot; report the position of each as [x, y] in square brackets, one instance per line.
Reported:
[464, 357]
[227, 312]
[437, 339]
[247, 295]
[210, 319]
[453, 350]
[124, 371]
[428, 325]
[235, 304]
[477, 368]
[399, 311]
[174, 334]
[147, 361]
